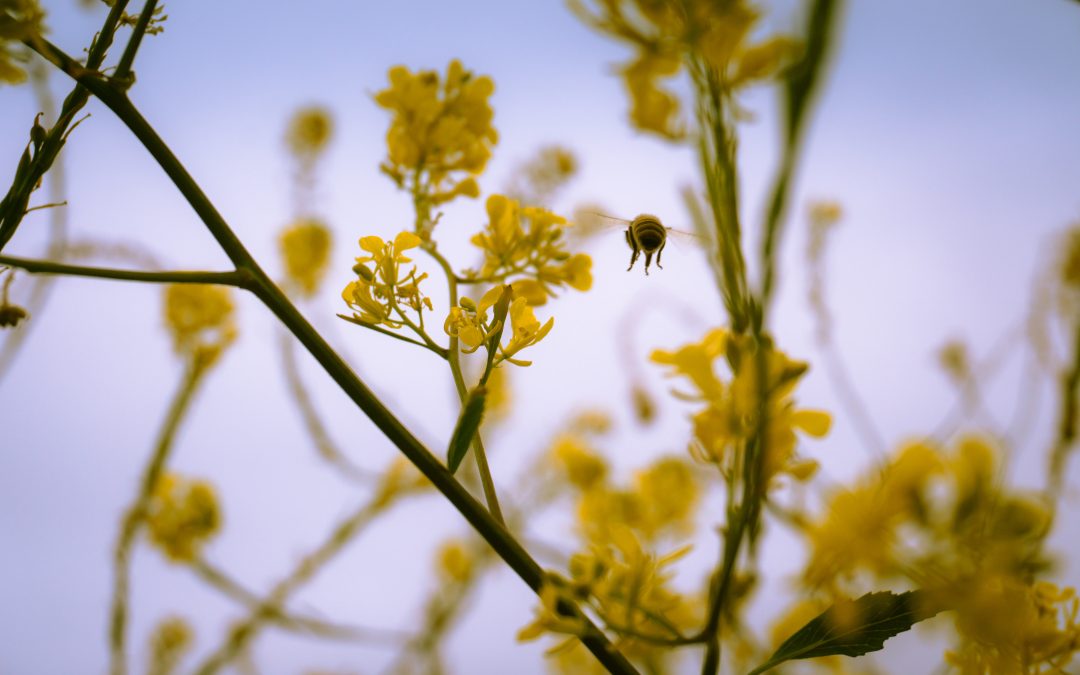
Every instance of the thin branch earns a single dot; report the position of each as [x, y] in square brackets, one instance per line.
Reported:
[238, 278]
[397, 336]
[318, 627]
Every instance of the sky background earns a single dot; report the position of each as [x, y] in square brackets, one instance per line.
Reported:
[947, 131]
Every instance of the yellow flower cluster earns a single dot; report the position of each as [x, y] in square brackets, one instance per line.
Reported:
[305, 249]
[441, 128]
[542, 176]
[942, 520]
[171, 639]
[380, 293]
[529, 242]
[733, 409]
[708, 36]
[616, 573]
[200, 319]
[182, 515]
[469, 322]
[19, 20]
[309, 132]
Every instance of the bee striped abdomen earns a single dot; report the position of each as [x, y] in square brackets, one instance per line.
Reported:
[647, 235]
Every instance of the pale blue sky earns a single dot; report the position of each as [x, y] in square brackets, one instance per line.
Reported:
[948, 130]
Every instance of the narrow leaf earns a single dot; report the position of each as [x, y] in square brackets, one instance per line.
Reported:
[854, 627]
[472, 413]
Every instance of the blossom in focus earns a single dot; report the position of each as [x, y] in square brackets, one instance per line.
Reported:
[383, 289]
[528, 242]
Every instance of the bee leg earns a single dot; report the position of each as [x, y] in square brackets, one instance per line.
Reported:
[633, 247]
[660, 252]
[648, 259]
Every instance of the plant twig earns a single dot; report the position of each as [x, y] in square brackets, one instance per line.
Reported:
[238, 278]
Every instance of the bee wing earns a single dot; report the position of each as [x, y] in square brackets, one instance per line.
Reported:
[683, 237]
[588, 223]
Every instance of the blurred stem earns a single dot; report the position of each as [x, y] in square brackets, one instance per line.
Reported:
[313, 423]
[135, 516]
[238, 278]
[1066, 436]
[302, 624]
[508, 548]
[266, 610]
[459, 383]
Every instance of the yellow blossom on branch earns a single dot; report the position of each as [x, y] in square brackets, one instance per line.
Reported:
[469, 322]
[309, 132]
[526, 245]
[709, 38]
[382, 289]
[200, 319]
[305, 249]
[440, 134]
[182, 515]
[733, 410]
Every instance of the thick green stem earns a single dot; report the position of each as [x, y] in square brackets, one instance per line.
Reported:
[478, 517]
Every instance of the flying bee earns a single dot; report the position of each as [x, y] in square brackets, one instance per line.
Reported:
[646, 234]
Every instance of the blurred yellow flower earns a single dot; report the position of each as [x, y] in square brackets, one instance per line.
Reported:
[309, 132]
[19, 20]
[171, 639]
[182, 515]
[200, 318]
[455, 561]
[305, 248]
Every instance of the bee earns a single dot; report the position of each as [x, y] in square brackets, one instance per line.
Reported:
[646, 234]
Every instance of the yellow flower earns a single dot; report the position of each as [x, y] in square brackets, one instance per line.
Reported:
[709, 35]
[200, 318]
[440, 128]
[455, 561]
[171, 639]
[309, 132]
[528, 241]
[669, 493]
[527, 330]
[582, 466]
[305, 248]
[182, 515]
[380, 296]
[19, 20]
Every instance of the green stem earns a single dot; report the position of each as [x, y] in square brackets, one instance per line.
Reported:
[123, 68]
[397, 336]
[135, 516]
[507, 547]
[459, 383]
[13, 206]
[238, 278]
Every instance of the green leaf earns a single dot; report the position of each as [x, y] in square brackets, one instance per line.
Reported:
[472, 413]
[854, 627]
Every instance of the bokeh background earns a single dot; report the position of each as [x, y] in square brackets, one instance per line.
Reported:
[948, 132]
